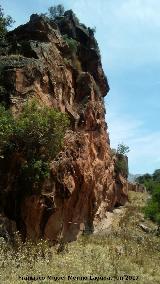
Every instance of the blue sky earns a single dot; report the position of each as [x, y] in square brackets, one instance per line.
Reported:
[128, 33]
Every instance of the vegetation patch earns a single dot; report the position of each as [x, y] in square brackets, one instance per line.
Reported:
[5, 22]
[121, 166]
[152, 184]
[36, 134]
[72, 43]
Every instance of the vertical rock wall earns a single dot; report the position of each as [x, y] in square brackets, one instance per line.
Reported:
[84, 183]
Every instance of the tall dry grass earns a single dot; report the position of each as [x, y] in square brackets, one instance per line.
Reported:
[126, 250]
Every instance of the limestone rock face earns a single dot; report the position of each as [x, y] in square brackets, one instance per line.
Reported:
[84, 183]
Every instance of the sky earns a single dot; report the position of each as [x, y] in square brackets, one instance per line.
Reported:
[128, 34]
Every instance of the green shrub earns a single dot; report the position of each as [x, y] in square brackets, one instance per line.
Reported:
[72, 43]
[152, 184]
[36, 134]
[121, 166]
[40, 130]
[152, 209]
[34, 171]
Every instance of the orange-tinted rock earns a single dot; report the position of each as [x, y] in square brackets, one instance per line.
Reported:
[84, 183]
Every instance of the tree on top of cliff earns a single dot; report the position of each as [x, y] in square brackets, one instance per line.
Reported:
[122, 149]
[5, 22]
[56, 11]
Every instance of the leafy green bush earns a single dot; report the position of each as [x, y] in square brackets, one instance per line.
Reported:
[36, 134]
[152, 184]
[121, 166]
[40, 130]
[34, 171]
[152, 210]
[72, 43]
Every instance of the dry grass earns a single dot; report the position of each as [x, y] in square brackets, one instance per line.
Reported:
[126, 250]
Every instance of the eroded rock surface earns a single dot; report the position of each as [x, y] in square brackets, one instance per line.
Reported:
[84, 183]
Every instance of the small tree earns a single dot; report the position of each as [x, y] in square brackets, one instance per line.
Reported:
[122, 149]
[56, 11]
[5, 22]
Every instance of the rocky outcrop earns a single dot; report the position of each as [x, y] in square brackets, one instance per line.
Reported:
[84, 183]
[136, 187]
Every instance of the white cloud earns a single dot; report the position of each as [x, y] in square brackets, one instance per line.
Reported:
[144, 155]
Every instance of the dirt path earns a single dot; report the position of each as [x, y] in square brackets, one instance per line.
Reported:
[111, 221]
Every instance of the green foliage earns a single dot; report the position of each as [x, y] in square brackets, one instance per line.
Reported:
[56, 11]
[150, 181]
[36, 134]
[152, 184]
[122, 149]
[144, 178]
[72, 43]
[34, 171]
[7, 127]
[152, 210]
[40, 130]
[5, 22]
[156, 175]
[121, 167]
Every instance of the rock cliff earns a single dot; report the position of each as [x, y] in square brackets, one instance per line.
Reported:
[59, 63]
